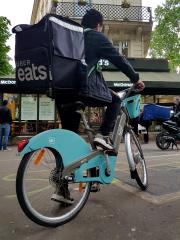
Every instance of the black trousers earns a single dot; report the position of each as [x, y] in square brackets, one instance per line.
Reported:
[70, 119]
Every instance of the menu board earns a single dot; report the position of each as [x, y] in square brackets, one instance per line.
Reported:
[28, 108]
[46, 108]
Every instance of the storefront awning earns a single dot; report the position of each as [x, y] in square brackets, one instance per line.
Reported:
[156, 82]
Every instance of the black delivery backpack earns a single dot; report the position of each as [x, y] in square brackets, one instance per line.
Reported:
[50, 55]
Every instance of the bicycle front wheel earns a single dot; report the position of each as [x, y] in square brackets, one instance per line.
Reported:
[39, 174]
[136, 160]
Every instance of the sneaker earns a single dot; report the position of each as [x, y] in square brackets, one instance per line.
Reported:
[62, 195]
[103, 142]
[59, 198]
[7, 149]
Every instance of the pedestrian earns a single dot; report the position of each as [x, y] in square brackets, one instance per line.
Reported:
[176, 109]
[176, 105]
[5, 125]
[146, 124]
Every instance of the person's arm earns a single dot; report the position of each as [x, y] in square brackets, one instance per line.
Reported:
[107, 51]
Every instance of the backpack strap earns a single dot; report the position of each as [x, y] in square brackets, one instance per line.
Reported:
[96, 66]
[91, 70]
[87, 30]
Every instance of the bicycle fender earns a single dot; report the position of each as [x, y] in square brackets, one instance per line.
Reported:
[68, 144]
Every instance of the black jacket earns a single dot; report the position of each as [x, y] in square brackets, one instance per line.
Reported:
[5, 115]
[97, 47]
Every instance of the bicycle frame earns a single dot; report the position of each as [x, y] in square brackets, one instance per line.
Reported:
[103, 162]
[83, 157]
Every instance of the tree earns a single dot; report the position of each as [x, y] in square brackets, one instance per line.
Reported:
[5, 67]
[165, 41]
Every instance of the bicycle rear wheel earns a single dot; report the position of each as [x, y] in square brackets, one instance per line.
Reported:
[38, 175]
[136, 160]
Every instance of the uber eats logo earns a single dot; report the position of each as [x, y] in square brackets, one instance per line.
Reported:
[27, 71]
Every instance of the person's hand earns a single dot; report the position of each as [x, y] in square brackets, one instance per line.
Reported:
[139, 85]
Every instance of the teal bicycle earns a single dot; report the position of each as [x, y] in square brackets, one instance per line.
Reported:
[61, 158]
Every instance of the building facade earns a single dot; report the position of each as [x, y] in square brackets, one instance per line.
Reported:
[128, 27]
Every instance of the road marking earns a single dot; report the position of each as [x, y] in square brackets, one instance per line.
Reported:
[30, 193]
[9, 178]
[9, 160]
[152, 165]
[167, 155]
[158, 200]
[12, 178]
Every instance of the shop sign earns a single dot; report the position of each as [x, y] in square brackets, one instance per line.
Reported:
[106, 65]
[7, 82]
[122, 84]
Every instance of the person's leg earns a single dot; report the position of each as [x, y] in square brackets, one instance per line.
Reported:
[6, 135]
[70, 119]
[146, 136]
[112, 111]
[107, 126]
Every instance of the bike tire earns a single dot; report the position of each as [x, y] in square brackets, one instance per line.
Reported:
[136, 160]
[32, 213]
[162, 144]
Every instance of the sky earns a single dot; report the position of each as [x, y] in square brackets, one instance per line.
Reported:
[19, 12]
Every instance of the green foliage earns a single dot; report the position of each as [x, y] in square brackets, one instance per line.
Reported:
[165, 41]
[5, 67]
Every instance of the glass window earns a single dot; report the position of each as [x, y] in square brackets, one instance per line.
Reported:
[124, 50]
[29, 114]
[46, 108]
[46, 113]
[28, 107]
[117, 47]
[122, 47]
[164, 99]
[147, 99]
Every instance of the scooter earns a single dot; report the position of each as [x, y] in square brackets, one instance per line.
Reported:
[170, 134]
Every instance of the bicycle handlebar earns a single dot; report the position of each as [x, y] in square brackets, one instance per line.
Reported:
[128, 91]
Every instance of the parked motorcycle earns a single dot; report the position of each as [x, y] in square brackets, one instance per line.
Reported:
[170, 134]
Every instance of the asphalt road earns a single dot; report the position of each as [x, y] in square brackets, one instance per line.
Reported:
[118, 211]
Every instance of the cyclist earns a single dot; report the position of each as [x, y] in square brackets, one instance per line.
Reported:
[97, 46]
